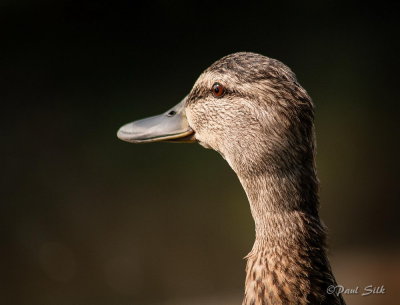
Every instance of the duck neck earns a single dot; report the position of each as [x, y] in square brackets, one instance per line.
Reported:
[288, 262]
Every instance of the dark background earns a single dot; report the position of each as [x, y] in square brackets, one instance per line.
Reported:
[88, 219]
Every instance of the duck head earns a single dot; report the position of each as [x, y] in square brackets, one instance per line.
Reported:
[248, 107]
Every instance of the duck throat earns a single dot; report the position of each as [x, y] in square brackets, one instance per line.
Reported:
[288, 262]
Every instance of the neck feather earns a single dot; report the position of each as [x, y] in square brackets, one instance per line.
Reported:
[288, 262]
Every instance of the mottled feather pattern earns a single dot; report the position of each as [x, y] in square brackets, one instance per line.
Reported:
[263, 126]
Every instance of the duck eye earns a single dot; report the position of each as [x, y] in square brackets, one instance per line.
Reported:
[217, 90]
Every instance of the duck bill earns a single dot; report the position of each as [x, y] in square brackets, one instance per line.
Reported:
[171, 126]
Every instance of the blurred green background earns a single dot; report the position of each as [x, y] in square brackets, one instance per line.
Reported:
[88, 219]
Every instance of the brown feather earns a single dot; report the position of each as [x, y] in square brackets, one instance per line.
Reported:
[263, 126]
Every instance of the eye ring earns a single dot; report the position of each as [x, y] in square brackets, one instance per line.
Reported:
[218, 90]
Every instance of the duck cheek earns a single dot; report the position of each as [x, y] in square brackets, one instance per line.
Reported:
[200, 135]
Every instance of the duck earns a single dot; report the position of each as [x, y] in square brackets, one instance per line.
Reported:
[251, 109]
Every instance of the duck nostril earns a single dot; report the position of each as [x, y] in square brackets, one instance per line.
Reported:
[171, 113]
